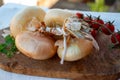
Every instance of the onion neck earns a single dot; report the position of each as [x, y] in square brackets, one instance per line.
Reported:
[65, 47]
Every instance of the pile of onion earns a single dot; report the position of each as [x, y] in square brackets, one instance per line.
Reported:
[30, 42]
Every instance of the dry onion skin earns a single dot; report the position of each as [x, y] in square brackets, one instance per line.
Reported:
[21, 20]
[76, 49]
[35, 45]
[56, 17]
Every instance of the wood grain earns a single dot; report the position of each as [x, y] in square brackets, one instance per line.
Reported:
[99, 65]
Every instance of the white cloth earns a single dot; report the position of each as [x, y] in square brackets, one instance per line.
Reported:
[24, 2]
[7, 11]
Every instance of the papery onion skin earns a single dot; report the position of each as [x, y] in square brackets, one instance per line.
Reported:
[35, 45]
[76, 49]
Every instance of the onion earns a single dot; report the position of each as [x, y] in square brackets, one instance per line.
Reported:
[35, 45]
[21, 20]
[56, 17]
[76, 49]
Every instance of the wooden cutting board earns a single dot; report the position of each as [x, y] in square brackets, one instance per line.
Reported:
[99, 65]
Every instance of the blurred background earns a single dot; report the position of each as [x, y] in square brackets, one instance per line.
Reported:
[85, 5]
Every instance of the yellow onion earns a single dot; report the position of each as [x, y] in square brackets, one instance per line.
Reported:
[76, 49]
[22, 19]
[35, 45]
[56, 17]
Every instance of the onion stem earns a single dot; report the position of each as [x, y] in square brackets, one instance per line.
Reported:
[65, 47]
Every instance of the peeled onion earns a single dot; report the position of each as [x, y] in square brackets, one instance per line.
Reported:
[22, 19]
[76, 49]
[35, 45]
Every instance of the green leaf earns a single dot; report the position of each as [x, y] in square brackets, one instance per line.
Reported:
[2, 46]
[4, 51]
[8, 48]
[10, 54]
[9, 39]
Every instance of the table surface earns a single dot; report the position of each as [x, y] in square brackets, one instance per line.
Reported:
[7, 11]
